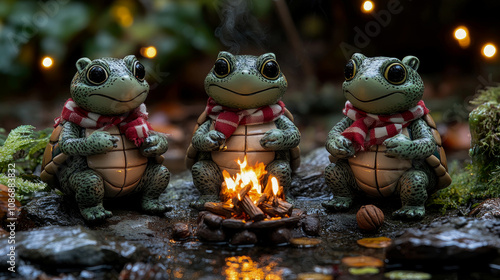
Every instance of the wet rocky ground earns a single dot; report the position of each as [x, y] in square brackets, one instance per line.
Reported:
[53, 242]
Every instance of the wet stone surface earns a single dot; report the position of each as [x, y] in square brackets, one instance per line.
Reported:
[48, 209]
[448, 240]
[166, 245]
[56, 247]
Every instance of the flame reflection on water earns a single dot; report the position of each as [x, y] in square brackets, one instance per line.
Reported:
[243, 267]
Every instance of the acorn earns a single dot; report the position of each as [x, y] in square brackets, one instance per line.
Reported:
[369, 218]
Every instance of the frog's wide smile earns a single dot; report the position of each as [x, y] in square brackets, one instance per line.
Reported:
[243, 94]
[374, 99]
[118, 100]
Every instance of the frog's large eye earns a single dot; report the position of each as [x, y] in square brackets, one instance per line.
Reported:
[139, 71]
[270, 69]
[97, 75]
[395, 73]
[350, 70]
[222, 68]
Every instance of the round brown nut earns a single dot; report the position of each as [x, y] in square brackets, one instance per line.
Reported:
[370, 218]
[181, 231]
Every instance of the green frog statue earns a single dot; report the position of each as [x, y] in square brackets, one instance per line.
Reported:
[387, 144]
[244, 117]
[102, 145]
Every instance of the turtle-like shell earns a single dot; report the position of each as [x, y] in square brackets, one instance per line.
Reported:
[121, 168]
[378, 175]
[245, 142]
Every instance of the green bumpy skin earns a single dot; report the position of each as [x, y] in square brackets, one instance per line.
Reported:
[244, 85]
[122, 91]
[369, 89]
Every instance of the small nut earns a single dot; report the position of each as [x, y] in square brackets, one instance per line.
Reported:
[181, 231]
[370, 218]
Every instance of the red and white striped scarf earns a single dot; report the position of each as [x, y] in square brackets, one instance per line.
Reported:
[228, 119]
[134, 124]
[370, 129]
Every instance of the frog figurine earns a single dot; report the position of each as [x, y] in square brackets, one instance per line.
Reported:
[102, 145]
[244, 117]
[387, 143]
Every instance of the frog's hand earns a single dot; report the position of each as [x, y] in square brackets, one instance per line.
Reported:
[398, 146]
[340, 147]
[284, 137]
[206, 140]
[336, 144]
[401, 146]
[99, 142]
[155, 144]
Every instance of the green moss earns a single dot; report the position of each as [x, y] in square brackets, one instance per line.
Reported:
[481, 179]
[484, 125]
[466, 188]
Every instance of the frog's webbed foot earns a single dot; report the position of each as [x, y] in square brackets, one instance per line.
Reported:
[200, 203]
[95, 213]
[154, 206]
[153, 183]
[89, 194]
[340, 180]
[338, 203]
[410, 212]
[412, 189]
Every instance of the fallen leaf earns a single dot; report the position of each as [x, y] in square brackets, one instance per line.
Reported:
[363, 270]
[376, 242]
[314, 276]
[407, 275]
[4, 203]
[305, 242]
[361, 261]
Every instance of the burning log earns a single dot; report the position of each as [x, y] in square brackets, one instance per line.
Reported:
[261, 199]
[220, 209]
[251, 209]
[242, 193]
[277, 208]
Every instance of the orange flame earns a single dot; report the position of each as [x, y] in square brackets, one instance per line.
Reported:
[248, 175]
[276, 186]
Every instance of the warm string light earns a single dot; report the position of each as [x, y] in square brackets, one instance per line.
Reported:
[461, 34]
[489, 50]
[367, 6]
[47, 62]
[148, 52]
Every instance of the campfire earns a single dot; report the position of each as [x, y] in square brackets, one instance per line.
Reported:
[245, 198]
[251, 210]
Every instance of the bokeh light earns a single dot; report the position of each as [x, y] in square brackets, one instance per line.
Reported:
[368, 6]
[148, 52]
[47, 62]
[461, 34]
[123, 15]
[489, 50]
